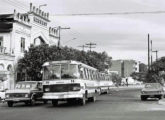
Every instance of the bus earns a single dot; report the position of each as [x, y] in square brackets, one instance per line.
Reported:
[72, 81]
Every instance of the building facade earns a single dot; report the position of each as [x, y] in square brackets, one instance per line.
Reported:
[124, 68]
[18, 31]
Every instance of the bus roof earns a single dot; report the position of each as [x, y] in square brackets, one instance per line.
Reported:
[69, 62]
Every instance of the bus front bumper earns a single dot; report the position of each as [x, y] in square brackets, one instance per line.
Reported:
[50, 96]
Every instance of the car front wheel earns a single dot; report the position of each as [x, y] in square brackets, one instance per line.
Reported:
[143, 98]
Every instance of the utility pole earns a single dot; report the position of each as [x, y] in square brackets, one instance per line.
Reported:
[59, 33]
[90, 45]
[151, 53]
[148, 52]
[156, 51]
[83, 46]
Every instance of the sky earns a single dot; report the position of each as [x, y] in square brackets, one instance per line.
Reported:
[121, 36]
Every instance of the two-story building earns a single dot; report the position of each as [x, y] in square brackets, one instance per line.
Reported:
[17, 32]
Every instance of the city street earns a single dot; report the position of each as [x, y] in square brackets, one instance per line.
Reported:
[121, 104]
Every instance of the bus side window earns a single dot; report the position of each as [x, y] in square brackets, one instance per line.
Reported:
[87, 74]
[85, 71]
[91, 74]
[81, 70]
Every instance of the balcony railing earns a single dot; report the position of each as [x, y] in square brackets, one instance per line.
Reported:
[2, 50]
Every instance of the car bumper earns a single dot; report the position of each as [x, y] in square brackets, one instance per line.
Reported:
[17, 99]
[152, 95]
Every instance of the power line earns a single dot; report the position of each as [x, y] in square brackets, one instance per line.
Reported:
[15, 4]
[19, 4]
[111, 13]
[83, 47]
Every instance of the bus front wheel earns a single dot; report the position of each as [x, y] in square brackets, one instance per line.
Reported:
[54, 102]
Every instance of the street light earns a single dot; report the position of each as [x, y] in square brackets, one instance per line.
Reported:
[42, 5]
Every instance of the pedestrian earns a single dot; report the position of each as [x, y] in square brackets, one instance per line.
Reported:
[127, 81]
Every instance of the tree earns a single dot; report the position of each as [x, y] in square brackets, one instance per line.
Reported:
[156, 70]
[33, 59]
[116, 78]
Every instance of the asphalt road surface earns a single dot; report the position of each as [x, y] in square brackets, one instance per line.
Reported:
[119, 105]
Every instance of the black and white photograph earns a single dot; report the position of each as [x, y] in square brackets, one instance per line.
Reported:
[82, 59]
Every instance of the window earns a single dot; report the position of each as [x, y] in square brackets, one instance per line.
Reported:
[22, 44]
[1, 41]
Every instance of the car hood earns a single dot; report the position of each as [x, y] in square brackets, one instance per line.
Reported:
[151, 89]
[18, 91]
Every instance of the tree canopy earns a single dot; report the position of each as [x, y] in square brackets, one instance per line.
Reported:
[35, 57]
[156, 72]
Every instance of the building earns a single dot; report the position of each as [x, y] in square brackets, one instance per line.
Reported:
[125, 67]
[116, 66]
[18, 31]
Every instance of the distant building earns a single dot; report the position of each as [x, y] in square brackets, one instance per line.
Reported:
[116, 66]
[17, 32]
[125, 67]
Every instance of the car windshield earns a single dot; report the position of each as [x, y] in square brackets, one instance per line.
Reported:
[25, 85]
[61, 71]
[153, 85]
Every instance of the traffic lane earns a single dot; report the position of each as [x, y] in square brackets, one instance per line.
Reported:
[119, 105]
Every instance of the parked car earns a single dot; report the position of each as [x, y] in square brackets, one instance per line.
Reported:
[2, 95]
[27, 91]
[152, 90]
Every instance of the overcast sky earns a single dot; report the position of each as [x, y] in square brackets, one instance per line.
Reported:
[121, 36]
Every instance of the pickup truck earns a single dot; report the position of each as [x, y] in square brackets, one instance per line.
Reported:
[27, 91]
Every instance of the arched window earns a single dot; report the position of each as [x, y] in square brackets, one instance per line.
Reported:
[1, 67]
[9, 67]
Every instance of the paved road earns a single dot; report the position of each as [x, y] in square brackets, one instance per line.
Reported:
[119, 105]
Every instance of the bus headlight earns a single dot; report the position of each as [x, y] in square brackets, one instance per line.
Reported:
[7, 96]
[47, 89]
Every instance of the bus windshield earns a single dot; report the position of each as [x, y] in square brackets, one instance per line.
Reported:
[61, 71]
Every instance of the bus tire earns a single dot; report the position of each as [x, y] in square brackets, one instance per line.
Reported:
[10, 104]
[26, 103]
[54, 102]
[45, 101]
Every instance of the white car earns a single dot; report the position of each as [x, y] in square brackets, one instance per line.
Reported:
[2, 95]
